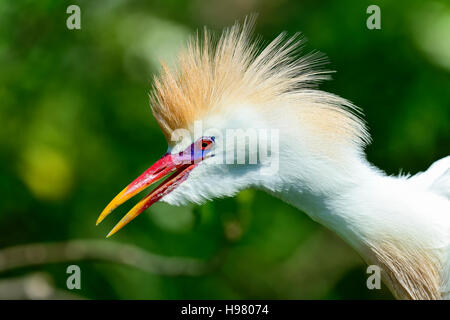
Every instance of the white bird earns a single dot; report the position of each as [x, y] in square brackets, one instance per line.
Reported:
[401, 224]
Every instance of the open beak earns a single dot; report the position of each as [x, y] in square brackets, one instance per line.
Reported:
[174, 166]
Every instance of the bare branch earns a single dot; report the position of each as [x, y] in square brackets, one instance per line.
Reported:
[77, 250]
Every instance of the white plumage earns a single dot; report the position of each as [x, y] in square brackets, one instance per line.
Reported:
[400, 223]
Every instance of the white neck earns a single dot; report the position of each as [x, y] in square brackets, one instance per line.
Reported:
[388, 221]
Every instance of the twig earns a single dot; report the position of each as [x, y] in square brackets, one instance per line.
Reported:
[76, 250]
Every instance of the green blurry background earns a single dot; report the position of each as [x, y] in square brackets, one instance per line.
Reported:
[76, 127]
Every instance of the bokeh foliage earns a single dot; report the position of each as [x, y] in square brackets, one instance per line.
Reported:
[76, 128]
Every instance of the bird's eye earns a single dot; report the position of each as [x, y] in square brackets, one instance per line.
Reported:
[206, 143]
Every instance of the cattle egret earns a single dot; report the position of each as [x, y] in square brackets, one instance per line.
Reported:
[401, 224]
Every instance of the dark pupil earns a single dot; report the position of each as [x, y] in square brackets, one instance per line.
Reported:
[204, 144]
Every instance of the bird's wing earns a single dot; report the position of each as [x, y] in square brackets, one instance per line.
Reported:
[436, 178]
[442, 184]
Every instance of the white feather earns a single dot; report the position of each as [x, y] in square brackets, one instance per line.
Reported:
[336, 186]
[399, 223]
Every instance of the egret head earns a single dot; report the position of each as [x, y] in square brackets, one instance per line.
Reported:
[237, 117]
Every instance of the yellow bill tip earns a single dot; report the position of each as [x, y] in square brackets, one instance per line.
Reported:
[110, 234]
[133, 213]
[104, 214]
[118, 226]
[117, 201]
